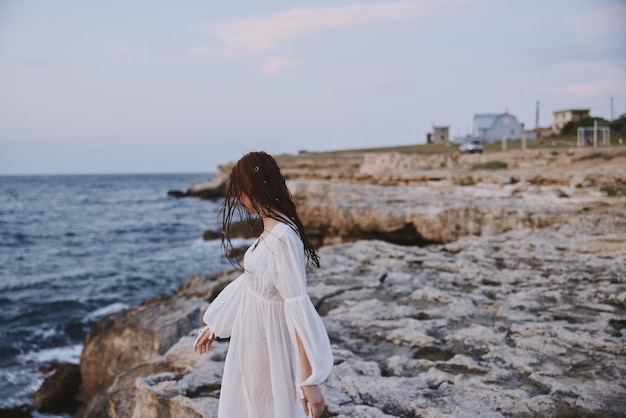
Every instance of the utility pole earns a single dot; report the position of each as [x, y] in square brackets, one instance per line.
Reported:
[537, 122]
[537, 119]
[611, 108]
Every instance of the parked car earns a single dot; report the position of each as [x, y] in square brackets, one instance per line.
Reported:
[471, 146]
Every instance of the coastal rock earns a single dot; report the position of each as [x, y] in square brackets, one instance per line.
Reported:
[212, 189]
[178, 384]
[119, 399]
[19, 411]
[516, 324]
[516, 308]
[176, 193]
[59, 390]
[121, 341]
[335, 212]
[406, 201]
[417, 199]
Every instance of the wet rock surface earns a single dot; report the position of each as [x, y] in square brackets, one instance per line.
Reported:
[59, 390]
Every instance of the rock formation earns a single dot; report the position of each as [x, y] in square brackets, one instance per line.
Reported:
[59, 390]
[411, 200]
[516, 308]
[526, 322]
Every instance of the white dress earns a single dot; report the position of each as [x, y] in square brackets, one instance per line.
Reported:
[261, 311]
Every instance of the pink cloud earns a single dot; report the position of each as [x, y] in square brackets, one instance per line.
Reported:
[596, 88]
[263, 35]
[586, 90]
[276, 66]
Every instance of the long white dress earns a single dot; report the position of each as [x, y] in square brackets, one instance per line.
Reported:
[262, 311]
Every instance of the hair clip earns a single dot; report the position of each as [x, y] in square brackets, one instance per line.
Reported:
[256, 168]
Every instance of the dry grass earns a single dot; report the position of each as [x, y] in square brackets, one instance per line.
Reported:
[551, 145]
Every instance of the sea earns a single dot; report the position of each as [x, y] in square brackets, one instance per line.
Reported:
[75, 248]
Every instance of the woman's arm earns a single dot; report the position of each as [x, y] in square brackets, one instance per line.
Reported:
[313, 397]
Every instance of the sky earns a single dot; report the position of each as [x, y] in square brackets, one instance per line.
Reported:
[172, 87]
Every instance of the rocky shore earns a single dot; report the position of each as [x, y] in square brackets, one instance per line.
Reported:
[448, 289]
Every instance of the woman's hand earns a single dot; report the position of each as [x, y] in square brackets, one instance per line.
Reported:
[314, 400]
[204, 340]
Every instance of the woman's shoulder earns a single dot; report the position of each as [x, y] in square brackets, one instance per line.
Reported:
[286, 232]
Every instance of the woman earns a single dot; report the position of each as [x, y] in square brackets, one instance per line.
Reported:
[279, 350]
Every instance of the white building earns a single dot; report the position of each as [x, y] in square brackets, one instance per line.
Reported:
[492, 127]
[561, 117]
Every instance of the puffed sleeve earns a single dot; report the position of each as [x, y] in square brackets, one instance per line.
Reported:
[220, 315]
[300, 314]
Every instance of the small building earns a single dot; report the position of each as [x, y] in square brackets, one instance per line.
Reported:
[441, 134]
[561, 117]
[492, 127]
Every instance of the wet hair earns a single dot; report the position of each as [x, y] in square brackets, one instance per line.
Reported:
[258, 176]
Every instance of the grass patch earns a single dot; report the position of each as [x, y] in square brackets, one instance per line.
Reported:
[513, 180]
[433, 354]
[572, 412]
[466, 182]
[615, 240]
[561, 193]
[614, 191]
[490, 165]
[555, 153]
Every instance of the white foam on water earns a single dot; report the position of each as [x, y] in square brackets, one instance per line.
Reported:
[104, 311]
[36, 414]
[45, 333]
[68, 354]
[22, 379]
[16, 384]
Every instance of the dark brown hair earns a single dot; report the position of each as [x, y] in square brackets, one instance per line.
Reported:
[258, 176]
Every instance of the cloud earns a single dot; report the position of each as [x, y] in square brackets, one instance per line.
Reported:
[276, 66]
[264, 34]
[587, 90]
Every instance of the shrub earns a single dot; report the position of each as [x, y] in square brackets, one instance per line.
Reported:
[561, 193]
[571, 128]
[490, 165]
[614, 191]
[467, 182]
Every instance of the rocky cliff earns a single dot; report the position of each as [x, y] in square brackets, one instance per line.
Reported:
[516, 308]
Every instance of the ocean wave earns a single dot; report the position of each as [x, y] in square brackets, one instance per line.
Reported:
[16, 385]
[67, 354]
[104, 311]
[74, 249]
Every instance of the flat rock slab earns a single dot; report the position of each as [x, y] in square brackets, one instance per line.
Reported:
[529, 322]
